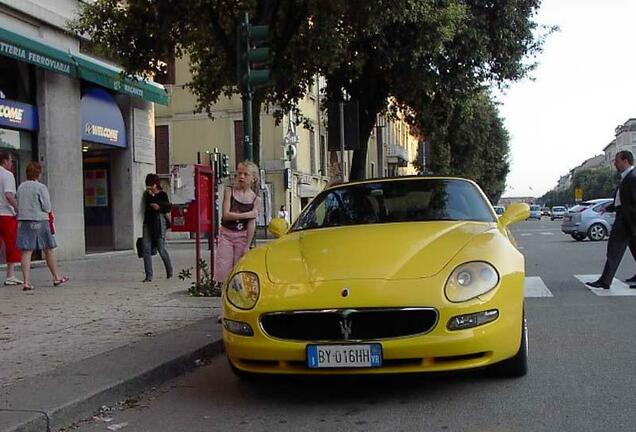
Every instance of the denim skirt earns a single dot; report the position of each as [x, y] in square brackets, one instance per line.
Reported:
[35, 235]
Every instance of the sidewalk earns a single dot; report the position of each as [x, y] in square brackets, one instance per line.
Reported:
[67, 350]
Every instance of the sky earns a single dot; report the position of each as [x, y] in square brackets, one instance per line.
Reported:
[584, 86]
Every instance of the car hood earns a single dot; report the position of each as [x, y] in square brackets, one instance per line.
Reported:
[380, 251]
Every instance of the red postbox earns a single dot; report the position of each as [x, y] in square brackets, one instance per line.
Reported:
[192, 198]
[193, 205]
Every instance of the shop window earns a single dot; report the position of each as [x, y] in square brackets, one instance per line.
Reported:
[162, 149]
[16, 81]
[312, 152]
[323, 155]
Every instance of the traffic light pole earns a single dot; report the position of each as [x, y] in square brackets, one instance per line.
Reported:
[248, 153]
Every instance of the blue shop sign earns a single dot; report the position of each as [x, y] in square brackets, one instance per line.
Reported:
[102, 122]
[18, 115]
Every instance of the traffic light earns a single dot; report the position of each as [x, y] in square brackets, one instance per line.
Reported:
[225, 165]
[254, 56]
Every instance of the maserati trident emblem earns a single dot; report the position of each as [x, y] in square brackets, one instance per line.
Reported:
[346, 324]
[345, 328]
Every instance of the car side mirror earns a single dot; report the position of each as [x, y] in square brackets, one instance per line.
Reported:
[278, 227]
[514, 213]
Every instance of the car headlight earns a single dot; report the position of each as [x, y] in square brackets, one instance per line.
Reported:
[243, 290]
[470, 280]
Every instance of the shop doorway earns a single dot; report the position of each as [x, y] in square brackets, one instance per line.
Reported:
[98, 205]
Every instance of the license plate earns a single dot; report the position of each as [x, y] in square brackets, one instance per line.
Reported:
[344, 356]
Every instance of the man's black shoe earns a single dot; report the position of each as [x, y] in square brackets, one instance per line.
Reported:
[631, 279]
[598, 284]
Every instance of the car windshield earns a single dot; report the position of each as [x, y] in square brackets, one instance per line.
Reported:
[558, 209]
[535, 208]
[396, 201]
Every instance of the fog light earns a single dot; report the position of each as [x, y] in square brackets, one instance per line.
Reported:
[462, 322]
[238, 327]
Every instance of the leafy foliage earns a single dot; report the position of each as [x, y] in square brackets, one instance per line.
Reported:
[416, 52]
[206, 286]
[474, 141]
[595, 183]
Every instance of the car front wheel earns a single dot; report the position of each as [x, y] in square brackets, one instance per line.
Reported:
[578, 236]
[516, 366]
[597, 232]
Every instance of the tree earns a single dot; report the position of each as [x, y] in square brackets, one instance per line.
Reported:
[305, 39]
[595, 183]
[413, 51]
[408, 50]
[474, 140]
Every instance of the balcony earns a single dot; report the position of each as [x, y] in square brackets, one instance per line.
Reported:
[397, 155]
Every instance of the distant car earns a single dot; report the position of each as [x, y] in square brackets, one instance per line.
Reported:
[499, 210]
[545, 211]
[535, 212]
[589, 219]
[558, 212]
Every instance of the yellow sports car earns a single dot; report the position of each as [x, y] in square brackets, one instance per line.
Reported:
[410, 274]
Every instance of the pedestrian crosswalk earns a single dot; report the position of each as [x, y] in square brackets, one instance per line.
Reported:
[540, 233]
[535, 287]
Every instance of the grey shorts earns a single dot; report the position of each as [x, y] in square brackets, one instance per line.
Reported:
[35, 235]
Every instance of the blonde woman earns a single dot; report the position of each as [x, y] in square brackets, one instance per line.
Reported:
[238, 222]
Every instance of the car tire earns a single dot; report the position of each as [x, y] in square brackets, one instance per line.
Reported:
[579, 236]
[597, 232]
[516, 366]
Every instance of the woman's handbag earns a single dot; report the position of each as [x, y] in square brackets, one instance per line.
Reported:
[140, 247]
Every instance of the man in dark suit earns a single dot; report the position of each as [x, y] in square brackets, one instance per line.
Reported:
[623, 231]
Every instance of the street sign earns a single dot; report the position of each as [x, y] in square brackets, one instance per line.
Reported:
[288, 178]
[578, 194]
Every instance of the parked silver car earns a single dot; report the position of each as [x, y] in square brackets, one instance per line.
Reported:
[589, 219]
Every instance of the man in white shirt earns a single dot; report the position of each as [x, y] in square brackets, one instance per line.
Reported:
[8, 221]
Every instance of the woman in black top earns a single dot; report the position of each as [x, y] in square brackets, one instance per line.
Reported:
[156, 205]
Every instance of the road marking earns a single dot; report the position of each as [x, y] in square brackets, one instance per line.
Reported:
[525, 234]
[617, 288]
[547, 233]
[534, 287]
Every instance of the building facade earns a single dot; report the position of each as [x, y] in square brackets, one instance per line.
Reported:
[91, 129]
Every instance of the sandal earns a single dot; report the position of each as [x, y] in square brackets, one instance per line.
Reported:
[27, 287]
[59, 282]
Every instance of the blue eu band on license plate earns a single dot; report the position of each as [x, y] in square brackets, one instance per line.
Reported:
[344, 356]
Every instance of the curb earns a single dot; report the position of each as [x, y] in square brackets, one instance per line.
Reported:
[78, 390]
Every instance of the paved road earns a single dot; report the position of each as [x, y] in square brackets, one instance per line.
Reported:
[581, 379]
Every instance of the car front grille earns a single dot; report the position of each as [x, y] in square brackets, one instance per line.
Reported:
[349, 324]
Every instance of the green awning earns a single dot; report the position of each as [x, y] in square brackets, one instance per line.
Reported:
[98, 72]
[79, 66]
[27, 50]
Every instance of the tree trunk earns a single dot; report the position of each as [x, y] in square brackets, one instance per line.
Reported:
[359, 160]
[371, 101]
